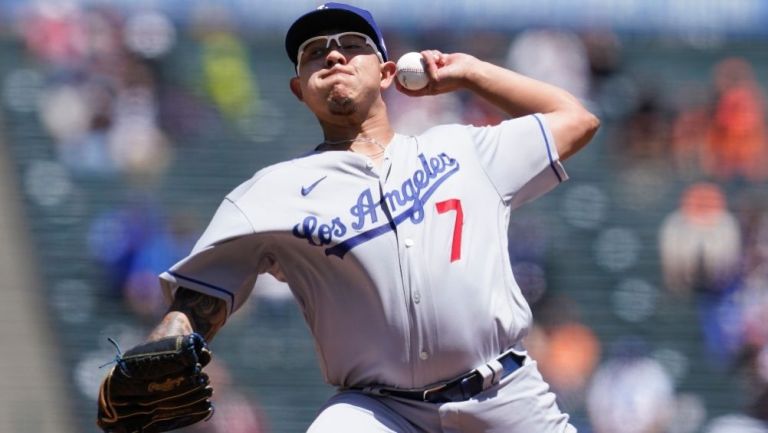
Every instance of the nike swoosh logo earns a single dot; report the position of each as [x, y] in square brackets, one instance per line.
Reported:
[305, 190]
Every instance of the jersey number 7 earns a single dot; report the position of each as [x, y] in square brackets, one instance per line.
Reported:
[455, 205]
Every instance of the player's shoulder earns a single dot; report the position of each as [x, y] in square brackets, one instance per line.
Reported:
[265, 179]
[443, 130]
[454, 131]
[443, 133]
[445, 136]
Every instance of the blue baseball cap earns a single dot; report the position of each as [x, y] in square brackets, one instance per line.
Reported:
[332, 16]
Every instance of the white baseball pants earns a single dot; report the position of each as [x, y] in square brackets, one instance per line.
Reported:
[520, 403]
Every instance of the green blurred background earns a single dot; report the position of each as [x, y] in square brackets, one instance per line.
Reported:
[123, 124]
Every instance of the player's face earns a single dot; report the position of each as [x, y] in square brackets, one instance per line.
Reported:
[338, 73]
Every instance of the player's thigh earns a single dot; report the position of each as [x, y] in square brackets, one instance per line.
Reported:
[360, 413]
[521, 403]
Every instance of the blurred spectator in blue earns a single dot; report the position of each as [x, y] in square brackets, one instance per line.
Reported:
[737, 147]
[700, 245]
[751, 323]
[134, 244]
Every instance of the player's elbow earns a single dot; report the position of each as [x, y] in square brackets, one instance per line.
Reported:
[588, 124]
[574, 129]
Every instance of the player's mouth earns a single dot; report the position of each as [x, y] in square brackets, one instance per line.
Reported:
[336, 69]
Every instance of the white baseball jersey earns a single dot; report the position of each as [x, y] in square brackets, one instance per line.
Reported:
[402, 270]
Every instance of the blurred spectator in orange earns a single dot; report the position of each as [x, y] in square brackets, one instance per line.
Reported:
[700, 242]
[566, 350]
[737, 137]
[567, 355]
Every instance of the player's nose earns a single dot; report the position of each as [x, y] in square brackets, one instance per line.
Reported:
[335, 56]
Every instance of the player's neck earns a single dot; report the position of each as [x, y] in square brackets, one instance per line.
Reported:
[369, 138]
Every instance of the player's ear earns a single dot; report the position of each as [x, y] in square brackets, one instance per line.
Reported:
[388, 70]
[296, 88]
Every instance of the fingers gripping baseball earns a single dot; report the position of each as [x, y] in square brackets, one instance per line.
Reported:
[156, 387]
[443, 72]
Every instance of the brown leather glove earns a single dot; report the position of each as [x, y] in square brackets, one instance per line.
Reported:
[156, 387]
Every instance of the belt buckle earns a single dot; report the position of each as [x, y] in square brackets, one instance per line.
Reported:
[436, 389]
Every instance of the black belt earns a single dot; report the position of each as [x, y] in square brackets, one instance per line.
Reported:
[463, 387]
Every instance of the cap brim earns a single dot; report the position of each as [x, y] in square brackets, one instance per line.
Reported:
[323, 20]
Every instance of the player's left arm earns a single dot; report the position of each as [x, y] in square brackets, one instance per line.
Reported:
[160, 385]
[191, 311]
[571, 124]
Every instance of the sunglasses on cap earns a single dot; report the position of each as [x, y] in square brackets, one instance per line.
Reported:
[352, 43]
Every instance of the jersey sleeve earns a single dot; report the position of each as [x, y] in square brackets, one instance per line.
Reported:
[520, 157]
[224, 262]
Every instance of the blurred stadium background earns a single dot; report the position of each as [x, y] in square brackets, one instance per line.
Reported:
[124, 123]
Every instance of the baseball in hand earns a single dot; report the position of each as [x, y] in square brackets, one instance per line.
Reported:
[411, 71]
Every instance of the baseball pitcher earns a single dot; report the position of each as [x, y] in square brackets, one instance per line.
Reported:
[394, 246]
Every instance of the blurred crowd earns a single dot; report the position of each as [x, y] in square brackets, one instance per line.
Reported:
[106, 89]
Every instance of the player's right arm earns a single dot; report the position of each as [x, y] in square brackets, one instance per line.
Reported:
[191, 311]
[571, 124]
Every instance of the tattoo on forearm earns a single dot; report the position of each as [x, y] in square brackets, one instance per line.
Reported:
[192, 311]
[174, 323]
[206, 313]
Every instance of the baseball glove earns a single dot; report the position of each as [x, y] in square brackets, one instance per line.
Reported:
[156, 387]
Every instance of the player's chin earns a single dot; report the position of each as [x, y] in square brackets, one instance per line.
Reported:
[341, 106]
